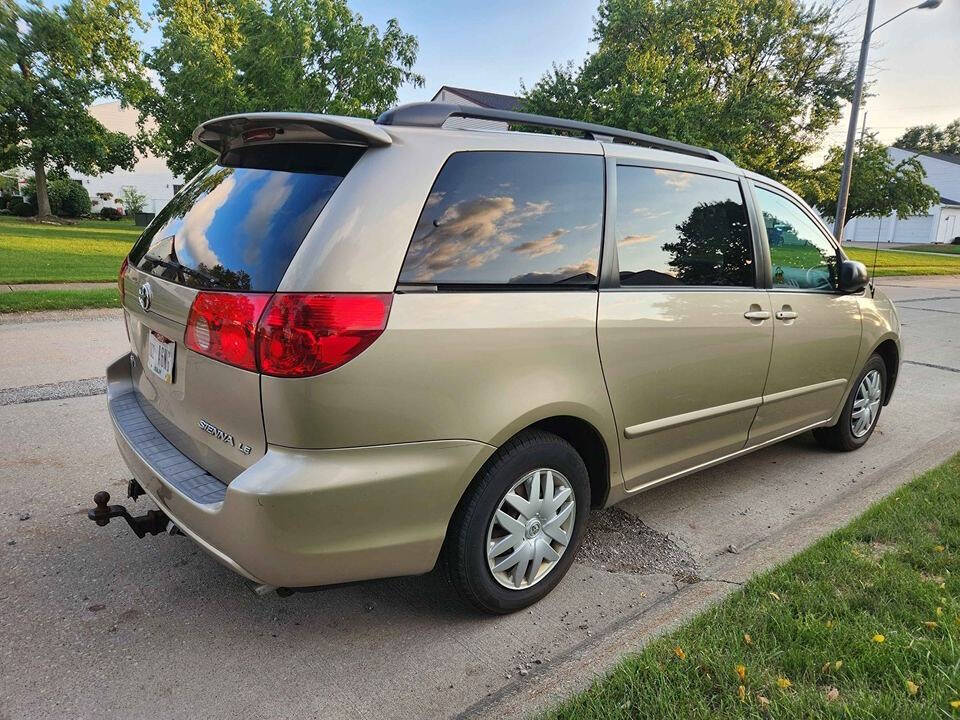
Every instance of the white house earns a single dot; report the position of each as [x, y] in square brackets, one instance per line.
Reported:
[941, 224]
[150, 176]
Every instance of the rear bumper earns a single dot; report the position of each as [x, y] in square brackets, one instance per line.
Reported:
[300, 518]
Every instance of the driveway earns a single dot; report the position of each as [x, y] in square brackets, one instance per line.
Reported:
[94, 622]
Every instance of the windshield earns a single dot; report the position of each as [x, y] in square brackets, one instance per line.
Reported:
[238, 224]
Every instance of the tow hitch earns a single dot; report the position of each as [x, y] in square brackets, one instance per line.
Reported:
[154, 522]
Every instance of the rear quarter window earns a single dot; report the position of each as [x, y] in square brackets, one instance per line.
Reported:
[510, 219]
[238, 224]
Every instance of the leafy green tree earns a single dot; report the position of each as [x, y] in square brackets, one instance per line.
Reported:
[133, 201]
[225, 56]
[931, 138]
[54, 62]
[879, 185]
[759, 80]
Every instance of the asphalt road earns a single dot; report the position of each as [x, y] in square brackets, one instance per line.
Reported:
[94, 622]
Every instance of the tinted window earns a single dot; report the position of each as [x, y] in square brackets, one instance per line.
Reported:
[237, 225]
[680, 228]
[510, 218]
[800, 254]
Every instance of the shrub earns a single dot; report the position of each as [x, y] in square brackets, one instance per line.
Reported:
[68, 198]
[955, 241]
[110, 213]
[23, 209]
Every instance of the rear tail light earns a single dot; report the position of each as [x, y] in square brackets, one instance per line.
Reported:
[287, 334]
[120, 276]
[223, 326]
[306, 334]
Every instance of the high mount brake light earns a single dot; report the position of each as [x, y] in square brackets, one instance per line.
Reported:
[286, 334]
[303, 334]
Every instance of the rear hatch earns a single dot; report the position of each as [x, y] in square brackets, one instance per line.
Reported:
[234, 228]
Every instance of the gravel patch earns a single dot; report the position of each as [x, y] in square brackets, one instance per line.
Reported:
[618, 542]
[53, 391]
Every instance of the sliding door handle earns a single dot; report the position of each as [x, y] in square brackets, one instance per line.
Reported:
[756, 315]
[786, 315]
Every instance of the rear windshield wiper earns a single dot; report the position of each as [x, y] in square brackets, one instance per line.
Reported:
[180, 267]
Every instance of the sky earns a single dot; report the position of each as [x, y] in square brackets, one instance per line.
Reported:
[493, 45]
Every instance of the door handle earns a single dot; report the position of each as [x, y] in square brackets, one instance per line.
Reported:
[786, 315]
[756, 315]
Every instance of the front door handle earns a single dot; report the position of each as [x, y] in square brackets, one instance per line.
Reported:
[756, 315]
[786, 315]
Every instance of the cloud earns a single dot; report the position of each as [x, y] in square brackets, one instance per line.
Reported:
[637, 239]
[560, 274]
[648, 214]
[192, 235]
[542, 246]
[468, 233]
[274, 193]
[434, 198]
[676, 180]
[591, 226]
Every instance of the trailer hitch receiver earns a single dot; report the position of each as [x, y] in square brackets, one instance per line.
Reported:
[153, 522]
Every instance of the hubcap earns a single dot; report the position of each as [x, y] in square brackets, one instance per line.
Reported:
[866, 404]
[531, 528]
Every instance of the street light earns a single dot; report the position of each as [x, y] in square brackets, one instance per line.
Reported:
[855, 109]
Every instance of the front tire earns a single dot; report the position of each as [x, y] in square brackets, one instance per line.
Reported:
[516, 531]
[861, 411]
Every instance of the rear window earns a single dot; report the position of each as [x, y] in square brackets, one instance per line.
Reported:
[510, 219]
[238, 224]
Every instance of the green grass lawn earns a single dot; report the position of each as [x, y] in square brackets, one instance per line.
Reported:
[943, 248]
[906, 263]
[89, 251]
[864, 624]
[26, 300]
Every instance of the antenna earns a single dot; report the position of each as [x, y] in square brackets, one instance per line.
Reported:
[876, 251]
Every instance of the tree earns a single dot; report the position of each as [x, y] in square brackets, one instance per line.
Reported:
[133, 201]
[759, 80]
[878, 186]
[226, 56]
[54, 62]
[930, 138]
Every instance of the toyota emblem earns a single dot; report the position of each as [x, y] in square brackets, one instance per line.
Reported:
[146, 295]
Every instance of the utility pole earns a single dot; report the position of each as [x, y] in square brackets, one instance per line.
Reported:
[868, 30]
[852, 127]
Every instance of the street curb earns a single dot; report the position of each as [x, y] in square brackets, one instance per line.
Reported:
[578, 667]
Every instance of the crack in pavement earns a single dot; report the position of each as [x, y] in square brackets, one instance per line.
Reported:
[931, 365]
[913, 307]
[53, 391]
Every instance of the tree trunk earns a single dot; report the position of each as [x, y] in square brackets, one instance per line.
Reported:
[43, 199]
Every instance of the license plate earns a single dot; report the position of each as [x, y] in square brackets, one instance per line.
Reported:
[161, 356]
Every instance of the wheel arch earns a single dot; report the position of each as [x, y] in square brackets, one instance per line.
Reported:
[889, 352]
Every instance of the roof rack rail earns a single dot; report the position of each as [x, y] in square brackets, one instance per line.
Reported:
[430, 114]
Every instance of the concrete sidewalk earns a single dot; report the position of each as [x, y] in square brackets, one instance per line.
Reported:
[57, 286]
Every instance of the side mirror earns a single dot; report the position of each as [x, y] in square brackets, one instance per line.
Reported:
[853, 276]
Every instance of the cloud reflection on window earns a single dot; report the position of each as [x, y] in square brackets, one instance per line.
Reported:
[493, 217]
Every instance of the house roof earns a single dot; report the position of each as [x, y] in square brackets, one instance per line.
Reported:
[948, 201]
[946, 157]
[495, 101]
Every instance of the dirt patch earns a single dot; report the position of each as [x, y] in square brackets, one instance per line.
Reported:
[618, 542]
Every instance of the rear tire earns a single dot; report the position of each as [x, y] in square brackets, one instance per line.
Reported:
[535, 464]
[845, 435]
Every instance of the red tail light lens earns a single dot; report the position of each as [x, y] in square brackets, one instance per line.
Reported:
[120, 276]
[306, 334]
[223, 326]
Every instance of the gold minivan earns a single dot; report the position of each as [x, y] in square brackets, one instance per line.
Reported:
[358, 348]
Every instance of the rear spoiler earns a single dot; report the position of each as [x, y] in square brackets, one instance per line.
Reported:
[226, 133]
